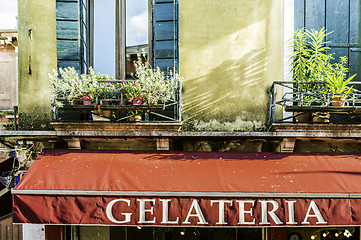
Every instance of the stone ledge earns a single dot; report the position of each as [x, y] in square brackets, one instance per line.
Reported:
[114, 129]
[171, 130]
[317, 130]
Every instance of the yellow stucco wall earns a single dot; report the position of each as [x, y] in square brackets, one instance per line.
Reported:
[230, 52]
[37, 50]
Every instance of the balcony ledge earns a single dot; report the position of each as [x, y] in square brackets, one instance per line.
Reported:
[114, 129]
[317, 130]
[278, 131]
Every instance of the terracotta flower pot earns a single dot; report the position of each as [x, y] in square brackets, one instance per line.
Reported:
[106, 113]
[75, 102]
[124, 102]
[137, 101]
[86, 100]
[338, 101]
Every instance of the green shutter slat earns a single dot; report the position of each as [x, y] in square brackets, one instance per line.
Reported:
[337, 20]
[164, 12]
[355, 22]
[299, 11]
[67, 30]
[315, 14]
[68, 50]
[164, 49]
[67, 11]
[164, 64]
[164, 31]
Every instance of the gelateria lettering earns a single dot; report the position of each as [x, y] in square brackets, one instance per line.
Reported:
[249, 212]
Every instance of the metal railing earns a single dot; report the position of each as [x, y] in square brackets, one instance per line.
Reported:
[121, 109]
[287, 99]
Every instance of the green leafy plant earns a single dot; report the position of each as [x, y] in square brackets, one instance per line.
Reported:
[106, 87]
[106, 90]
[131, 89]
[337, 81]
[312, 64]
[310, 60]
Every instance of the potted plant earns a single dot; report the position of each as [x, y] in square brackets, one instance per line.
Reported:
[70, 86]
[337, 83]
[154, 85]
[309, 62]
[106, 91]
[132, 92]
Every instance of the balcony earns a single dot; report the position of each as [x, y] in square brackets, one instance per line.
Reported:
[301, 105]
[152, 96]
[106, 108]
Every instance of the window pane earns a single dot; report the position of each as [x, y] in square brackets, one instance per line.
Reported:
[136, 31]
[104, 36]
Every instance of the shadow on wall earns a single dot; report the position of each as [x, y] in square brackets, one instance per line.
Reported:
[235, 100]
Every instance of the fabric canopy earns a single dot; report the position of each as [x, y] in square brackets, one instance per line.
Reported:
[190, 189]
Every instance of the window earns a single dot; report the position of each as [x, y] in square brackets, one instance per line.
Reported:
[120, 34]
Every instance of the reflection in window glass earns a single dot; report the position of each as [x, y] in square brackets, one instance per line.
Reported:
[136, 31]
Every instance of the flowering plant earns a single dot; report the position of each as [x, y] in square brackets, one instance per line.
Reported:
[131, 89]
[70, 86]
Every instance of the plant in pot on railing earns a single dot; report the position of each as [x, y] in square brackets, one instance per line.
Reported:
[337, 82]
[107, 92]
[310, 65]
[132, 93]
[134, 96]
[154, 85]
[70, 87]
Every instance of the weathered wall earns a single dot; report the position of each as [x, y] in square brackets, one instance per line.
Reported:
[229, 54]
[37, 58]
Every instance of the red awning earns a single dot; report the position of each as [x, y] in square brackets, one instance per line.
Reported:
[190, 188]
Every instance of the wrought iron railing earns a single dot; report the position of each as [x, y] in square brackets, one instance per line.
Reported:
[290, 99]
[97, 109]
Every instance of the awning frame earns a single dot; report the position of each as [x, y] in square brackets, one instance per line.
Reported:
[186, 194]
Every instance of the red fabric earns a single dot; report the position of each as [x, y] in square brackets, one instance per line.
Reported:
[92, 210]
[185, 172]
[194, 172]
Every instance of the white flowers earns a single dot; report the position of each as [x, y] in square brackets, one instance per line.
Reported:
[70, 86]
[153, 84]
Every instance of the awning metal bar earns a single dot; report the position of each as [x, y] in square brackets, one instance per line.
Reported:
[184, 194]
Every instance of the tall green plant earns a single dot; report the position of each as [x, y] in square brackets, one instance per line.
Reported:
[312, 63]
[310, 60]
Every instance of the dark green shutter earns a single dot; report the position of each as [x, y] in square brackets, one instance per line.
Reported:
[165, 33]
[71, 32]
[340, 16]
